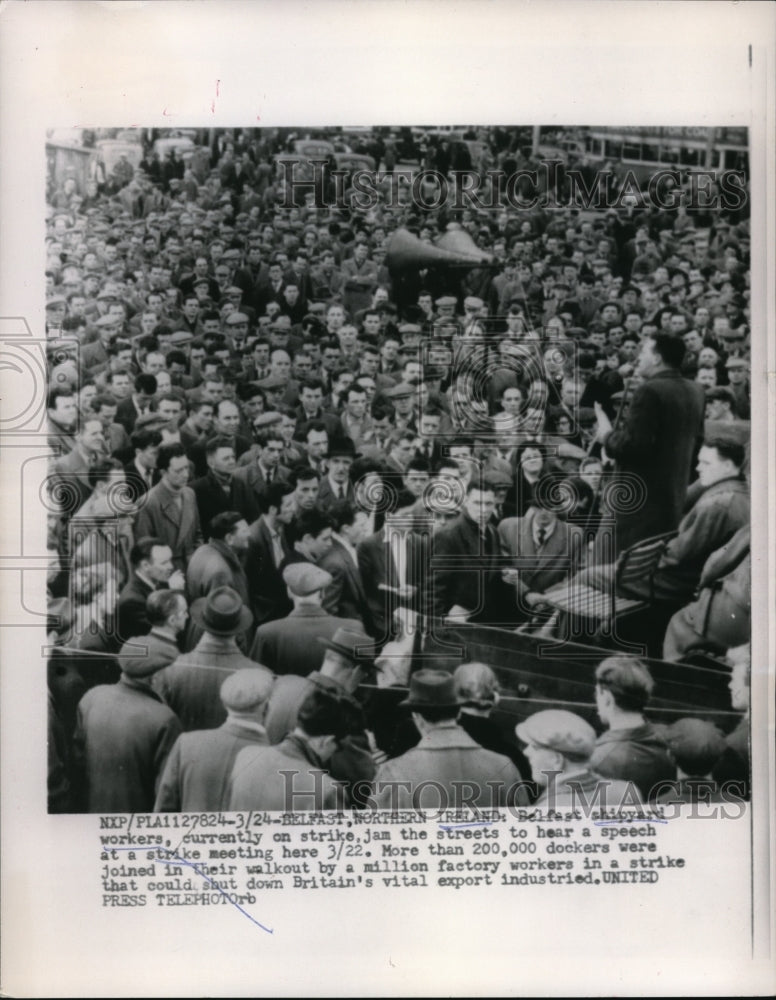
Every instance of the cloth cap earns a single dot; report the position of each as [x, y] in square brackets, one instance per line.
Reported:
[109, 320]
[559, 730]
[149, 421]
[236, 317]
[247, 688]
[266, 419]
[305, 578]
[402, 389]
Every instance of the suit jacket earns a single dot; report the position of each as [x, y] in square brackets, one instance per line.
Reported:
[191, 684]
[159, 516]
[212, 499]
[258, 781]
[657, 442]
[196, 776]
[290, 645]
[132, 618]
[465, 570]
[377, 566]
[447, 756]
[540, 569]
[123, 736]
[345, 595]
[326, 496]
[248, 484]
[94, 357]
[127, 414]
[137, 486]
[69, 474]
[266, 589]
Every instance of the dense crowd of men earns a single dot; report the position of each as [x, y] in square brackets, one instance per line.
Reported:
[277, 466]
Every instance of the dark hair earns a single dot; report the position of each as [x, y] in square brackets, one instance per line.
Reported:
[342, 513]
[223, 523]
[160, 604]
[59, 391]
[312, 522]
[322, 714]
[311, 383]
[100, 472]
[146, 383]
[437, 713]
[142, 439]
[167, 452]
[670, 348]
[315, 425]
[727, 448]
[629, 681]
[103, 399]
[218, 441]
[141, 550]
[303, 473]
[273, 493]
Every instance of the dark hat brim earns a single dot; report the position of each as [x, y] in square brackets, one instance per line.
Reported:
[197, 616]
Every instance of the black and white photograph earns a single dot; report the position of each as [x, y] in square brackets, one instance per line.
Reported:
[371, 445]
[387, 446]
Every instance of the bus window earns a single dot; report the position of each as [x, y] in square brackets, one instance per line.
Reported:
[631, 151]
[650, 153]
[690, 157]
[669, 154]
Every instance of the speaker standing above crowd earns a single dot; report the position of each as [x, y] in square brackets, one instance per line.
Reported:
[268, 429]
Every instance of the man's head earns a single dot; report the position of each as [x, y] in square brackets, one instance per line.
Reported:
[556, 741]
[173, 464]
[227, 418]
[313, 531]
[719, 458]
[245, 693]
[480, 501]
[623, 685]
[167, 609]
[231, 528]
[153, 558]
[663, 350]
[63, 406]
[220, 457]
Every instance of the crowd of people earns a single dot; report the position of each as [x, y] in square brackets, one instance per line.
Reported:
[279, 467]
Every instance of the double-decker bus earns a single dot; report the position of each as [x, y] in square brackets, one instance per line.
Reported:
[645, 149]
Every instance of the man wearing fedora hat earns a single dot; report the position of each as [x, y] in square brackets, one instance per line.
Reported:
[124, 733]
[335, 484]
[347, 655]
[191, 684]
[197, 772]
[292, 776]
[288, 645]
[447, 769]
[559, 745]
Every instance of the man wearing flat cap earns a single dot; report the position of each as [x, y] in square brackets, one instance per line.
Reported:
[124, 733]
[447, 769]
[196, 776]
[288, 645]
[558, 746]
[191, 684]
